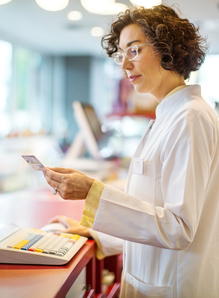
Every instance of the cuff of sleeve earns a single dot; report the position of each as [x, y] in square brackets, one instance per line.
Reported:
[99, 253]
[91, 204]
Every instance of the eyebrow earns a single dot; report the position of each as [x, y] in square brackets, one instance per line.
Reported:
[130, 43]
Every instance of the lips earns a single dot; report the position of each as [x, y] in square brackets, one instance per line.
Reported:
[132, 78]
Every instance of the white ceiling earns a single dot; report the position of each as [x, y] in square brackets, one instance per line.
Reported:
[23, 23]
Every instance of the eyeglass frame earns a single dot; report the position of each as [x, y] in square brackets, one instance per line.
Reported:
[123, 53]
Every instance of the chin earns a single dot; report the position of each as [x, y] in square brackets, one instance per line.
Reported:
[140, 89]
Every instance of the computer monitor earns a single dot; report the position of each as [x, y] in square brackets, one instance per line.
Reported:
[90, 132]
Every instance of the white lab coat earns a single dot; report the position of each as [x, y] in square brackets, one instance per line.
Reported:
[169, 213]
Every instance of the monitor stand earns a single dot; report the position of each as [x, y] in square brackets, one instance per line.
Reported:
[77, 148]
[74, 158]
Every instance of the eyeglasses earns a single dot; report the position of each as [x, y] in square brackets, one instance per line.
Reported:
[131, 53]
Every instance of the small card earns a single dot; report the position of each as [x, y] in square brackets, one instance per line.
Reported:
[33, 162]
[138, 165]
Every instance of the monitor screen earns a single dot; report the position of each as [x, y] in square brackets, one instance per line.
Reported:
[90, 128]
[94, 123]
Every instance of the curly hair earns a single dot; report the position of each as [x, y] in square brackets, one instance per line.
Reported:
[178, 41]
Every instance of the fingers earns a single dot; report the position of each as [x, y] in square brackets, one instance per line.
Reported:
[59, 179]
[53, 174]
[52, 178]
[61, 219]
[70, 186]
[62, 170]
[72, 226]
[54, 220]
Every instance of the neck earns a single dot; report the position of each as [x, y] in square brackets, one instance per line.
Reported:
[168, 84]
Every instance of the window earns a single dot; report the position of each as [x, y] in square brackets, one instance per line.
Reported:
[208, 78]
[5, 80]
[23, 91]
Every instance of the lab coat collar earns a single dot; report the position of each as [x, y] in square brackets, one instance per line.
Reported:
[177, 99]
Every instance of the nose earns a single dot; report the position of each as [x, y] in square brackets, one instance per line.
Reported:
[126, 64]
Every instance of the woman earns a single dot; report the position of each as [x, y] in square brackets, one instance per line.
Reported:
[169, 212]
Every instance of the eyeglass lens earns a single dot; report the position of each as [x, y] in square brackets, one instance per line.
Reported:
[130, 53]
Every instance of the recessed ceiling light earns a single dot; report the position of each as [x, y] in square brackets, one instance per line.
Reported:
[103, 7]
[74, 15]
[52, 5]
[146, 3]
[97, 31]
[4, 1]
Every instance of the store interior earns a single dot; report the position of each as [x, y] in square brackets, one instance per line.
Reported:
[49, 61]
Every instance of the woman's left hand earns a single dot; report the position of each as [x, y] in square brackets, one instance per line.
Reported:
[70, 184]
[72, 226]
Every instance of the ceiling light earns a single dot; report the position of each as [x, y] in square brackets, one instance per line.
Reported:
[103, 7]
[4, 1]
[97, 31]
[52, 5]
[146, 3]
[94, 5]
[74, 15]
